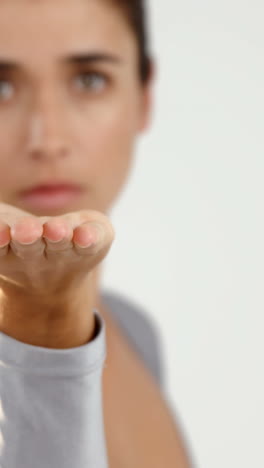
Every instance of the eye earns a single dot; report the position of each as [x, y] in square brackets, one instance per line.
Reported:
[6, 90]
[91, 81]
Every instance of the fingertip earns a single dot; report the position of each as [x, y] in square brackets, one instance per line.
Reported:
[26, 230]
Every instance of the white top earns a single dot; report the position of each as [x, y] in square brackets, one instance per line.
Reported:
[51, 413]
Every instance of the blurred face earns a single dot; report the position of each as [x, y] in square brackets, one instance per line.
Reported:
[71, 102]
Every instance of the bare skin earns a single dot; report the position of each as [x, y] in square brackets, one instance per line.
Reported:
[136, 416]
[47, 264]
[140, 430]
[75, 121]
[79, 240]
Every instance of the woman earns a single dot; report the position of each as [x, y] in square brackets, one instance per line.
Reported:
[75, 92]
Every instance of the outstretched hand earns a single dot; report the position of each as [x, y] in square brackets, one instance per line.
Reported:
[47, 255]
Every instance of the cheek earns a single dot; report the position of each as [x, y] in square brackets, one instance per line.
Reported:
[12, 136]
[112, 124]
[110, 134]
[9, 135]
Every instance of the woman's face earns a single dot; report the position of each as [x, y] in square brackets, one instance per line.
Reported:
[71, 103]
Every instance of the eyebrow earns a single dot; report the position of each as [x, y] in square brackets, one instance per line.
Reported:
[75, 59]
[80, 59]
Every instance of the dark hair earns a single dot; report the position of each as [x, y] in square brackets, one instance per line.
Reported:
[135, 13]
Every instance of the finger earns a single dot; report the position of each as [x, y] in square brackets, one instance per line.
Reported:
[90, 238]
[26, 238]
[57, 234]
[88, 226]
[85, 238]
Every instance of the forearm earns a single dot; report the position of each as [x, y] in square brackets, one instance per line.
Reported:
[57, 322]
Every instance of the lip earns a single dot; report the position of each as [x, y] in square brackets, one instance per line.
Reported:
[51, 196]
[52, 185]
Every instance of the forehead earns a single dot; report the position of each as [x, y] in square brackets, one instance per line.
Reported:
[43, 28]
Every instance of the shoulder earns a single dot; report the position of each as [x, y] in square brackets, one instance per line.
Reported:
[141, 331]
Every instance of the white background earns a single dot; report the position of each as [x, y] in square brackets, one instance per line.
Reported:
[189, 224]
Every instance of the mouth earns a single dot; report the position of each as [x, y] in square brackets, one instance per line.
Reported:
[51, 196]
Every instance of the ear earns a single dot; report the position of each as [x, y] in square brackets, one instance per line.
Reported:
[147, 100]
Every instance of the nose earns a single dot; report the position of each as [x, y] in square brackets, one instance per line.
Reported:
[47, 135]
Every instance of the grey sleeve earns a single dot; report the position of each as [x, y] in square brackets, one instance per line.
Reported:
[51, 406]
